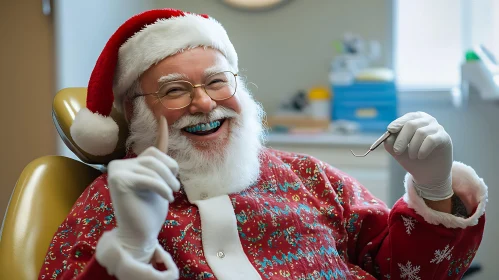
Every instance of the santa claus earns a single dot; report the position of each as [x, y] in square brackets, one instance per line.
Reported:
[198, 196]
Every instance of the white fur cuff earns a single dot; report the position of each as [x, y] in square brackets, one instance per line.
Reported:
[466, 184]
[118, 262]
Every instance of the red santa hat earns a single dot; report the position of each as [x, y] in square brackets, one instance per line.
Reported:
[140, 42]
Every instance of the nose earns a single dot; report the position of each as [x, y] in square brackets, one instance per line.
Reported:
[201, 102]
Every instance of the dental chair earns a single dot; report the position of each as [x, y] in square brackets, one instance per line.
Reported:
[46, 191]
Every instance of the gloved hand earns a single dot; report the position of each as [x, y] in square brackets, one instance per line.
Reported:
[424, 149]
[141, 189]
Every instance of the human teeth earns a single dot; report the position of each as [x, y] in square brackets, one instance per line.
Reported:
[203, 127]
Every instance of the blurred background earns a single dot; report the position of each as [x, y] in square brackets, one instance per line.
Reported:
[331, 74]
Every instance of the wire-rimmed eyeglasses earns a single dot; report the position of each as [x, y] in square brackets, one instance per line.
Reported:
[179, 94]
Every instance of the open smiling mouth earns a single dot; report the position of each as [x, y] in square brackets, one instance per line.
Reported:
[204, 128]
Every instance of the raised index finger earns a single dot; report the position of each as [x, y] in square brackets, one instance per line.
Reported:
[162, 139]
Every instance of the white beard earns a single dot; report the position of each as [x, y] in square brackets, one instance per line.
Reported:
[227, 166]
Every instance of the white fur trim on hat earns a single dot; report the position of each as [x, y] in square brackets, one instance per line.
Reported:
[94, 133]
[164, 38]
[466, 185]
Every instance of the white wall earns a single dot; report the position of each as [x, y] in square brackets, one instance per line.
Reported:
[484, 24]
[290, 48]
[82, 28]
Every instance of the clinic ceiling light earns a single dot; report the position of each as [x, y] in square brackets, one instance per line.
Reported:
[255, 5]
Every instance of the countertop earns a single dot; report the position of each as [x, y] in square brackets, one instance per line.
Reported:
[335, 139]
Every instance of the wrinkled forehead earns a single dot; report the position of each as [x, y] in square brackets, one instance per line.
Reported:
[192, 65]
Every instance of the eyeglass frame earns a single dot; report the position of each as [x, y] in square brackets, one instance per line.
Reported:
[192, 92]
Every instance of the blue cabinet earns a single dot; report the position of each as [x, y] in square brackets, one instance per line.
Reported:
[373, 105]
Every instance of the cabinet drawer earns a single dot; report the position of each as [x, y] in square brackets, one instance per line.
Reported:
[341, 156]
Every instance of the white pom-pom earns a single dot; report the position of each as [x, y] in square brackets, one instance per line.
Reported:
[94, 133]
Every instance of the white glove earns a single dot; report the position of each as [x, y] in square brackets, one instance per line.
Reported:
[141, 189]
[424, 149]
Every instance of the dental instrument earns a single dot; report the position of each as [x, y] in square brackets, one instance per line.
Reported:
[375, 145]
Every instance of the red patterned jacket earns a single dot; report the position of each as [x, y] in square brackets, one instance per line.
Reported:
[303, 219]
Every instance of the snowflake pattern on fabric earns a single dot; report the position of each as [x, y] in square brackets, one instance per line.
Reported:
[303, 219]
[292, 217]
[409, 223]
[408, 271]
[441, 255]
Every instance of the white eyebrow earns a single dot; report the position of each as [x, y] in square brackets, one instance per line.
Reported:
[213, 70]
[172, 77]
[177, 76]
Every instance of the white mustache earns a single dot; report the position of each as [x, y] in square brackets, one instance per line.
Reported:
[217, 114]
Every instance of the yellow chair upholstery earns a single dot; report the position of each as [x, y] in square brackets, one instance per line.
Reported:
[66, 104]
[46, 191]
[44, 194]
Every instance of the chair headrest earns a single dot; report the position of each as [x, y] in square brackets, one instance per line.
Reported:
[67, 103]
